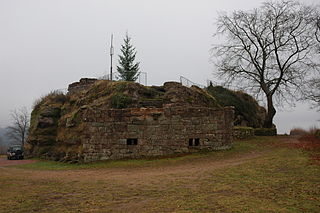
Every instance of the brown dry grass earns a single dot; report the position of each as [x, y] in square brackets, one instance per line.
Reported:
[298, 131]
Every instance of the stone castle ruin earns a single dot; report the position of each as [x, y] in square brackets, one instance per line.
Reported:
[143, 132]
[101, 120]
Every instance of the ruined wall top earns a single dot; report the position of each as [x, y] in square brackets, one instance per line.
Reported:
[81, 85]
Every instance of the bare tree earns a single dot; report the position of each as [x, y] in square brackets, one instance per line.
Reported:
[317, 27]
[267, 51]
[20, 123]
[312, 92]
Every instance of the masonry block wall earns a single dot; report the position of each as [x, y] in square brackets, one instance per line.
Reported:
[144, 132]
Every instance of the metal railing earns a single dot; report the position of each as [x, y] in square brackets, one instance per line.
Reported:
[142, 77]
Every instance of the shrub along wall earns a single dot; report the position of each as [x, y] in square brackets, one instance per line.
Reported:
[247, 110]
[242, 132]
[265, 131]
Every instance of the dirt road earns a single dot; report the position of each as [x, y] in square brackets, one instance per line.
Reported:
[5, 162]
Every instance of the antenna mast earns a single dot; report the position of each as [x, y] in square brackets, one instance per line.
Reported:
[111, 54]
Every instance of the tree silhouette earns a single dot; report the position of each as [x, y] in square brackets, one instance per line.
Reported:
[20, 124]
[269, 50]
[127, 68]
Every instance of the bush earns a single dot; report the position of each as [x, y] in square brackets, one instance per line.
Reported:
[313, 130]
[301, 132]
[317, 133]
[298, 131]
[265, 131]
[120, 101]
[56, 96]
[246, 107]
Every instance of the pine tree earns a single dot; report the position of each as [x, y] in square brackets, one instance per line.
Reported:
[127, 69]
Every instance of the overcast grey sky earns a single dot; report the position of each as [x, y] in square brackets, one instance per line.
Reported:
[47, 44]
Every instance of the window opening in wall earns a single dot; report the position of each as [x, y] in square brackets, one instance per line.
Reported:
[197, 142]
[132, 141]
[190, 142]
[194, 141]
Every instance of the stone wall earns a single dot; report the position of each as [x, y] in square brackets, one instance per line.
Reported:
[83, 84]
[144, 132]
[242, 132]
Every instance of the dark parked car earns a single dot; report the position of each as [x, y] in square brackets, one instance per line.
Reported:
[15, 152]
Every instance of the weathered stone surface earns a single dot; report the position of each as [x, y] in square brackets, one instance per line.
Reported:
[82, 85]
[212, 127]
[152, 121]
[45, 122]
[242, 132]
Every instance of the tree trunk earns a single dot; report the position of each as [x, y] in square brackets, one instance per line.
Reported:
[22, 139]
[271, 111]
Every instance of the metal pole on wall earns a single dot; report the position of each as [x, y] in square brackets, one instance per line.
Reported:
[111, 54]
[146, 79]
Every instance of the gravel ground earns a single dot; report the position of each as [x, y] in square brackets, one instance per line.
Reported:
[5, 162]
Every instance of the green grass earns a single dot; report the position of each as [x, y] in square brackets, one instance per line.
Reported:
[279, 179]
[238, 148]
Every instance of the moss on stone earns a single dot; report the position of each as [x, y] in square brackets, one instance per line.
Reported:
[265, 131]
[120, 100]
[247, 110]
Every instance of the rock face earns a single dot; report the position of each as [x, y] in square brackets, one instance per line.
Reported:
[114, 120]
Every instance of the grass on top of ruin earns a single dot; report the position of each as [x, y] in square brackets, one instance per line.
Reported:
[240, 147]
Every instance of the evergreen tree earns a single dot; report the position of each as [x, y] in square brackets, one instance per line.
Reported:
[127, 68]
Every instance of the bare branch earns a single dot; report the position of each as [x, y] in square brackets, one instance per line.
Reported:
[20, 123]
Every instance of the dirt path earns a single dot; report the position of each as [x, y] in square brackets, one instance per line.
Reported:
[187, 170]
[5, 162]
